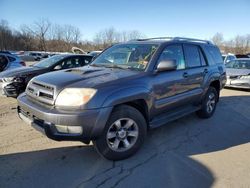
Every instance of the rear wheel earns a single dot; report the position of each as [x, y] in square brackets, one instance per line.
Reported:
[123, 134]
[209, 103]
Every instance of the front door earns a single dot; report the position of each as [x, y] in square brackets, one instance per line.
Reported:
[169, 85]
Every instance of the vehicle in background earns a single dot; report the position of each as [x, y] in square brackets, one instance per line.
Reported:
[14, 82]
[238, 73]
[37, 56]
[94, 53]
[238, 56]
[228, 57]
[5, 52]
[9, 61]
[127, 90]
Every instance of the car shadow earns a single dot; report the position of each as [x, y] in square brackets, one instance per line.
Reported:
[165, 160]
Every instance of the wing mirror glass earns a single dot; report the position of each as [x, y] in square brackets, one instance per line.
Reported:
[167, 65]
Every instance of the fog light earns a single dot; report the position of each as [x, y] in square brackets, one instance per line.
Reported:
[69, 129]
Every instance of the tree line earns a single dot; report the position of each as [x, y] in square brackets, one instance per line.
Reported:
[240, 44]
[43, 35]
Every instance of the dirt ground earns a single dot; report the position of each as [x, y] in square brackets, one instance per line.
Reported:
[189, 152]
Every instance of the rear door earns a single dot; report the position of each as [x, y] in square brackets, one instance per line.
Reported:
[196, 70]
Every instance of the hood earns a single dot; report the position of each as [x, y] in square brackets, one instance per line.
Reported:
[20, 71]
[87, 76]
[237, 72]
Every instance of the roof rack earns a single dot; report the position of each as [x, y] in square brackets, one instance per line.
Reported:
[176, 39]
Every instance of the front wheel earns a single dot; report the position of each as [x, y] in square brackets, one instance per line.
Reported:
[123, 134]
[209, 103]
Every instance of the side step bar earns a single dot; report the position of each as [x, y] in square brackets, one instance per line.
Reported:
[171, 116]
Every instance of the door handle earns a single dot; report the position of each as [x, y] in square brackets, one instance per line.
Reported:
[205, 71]
[185, 74]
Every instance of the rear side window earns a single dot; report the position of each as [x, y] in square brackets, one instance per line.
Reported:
[174, 52]
[192, 55]
[215, 54]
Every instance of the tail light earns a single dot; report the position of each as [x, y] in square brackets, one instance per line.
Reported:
[23, 63]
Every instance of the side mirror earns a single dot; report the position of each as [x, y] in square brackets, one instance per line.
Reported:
[58, 67]
[166, 65]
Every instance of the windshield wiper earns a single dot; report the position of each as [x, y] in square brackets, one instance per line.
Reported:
[111, 66]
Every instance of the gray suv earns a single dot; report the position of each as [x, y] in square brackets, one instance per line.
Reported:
[128, 89]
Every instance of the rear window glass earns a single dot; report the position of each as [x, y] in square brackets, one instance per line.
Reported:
[215, 54]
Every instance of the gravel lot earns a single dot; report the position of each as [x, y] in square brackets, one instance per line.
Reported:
[189, 152]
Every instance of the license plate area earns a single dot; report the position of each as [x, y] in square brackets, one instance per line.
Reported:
[32, 121]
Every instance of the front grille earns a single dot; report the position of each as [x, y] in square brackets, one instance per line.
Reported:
[42, 92]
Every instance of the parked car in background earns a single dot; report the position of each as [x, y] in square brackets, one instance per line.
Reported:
[14, 82]
[238, 56]
[238, 73]
[128, 89]
[37, 56]
[9, 61]
[228, 57]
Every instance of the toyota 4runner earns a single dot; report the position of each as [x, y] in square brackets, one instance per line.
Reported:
[127, 90]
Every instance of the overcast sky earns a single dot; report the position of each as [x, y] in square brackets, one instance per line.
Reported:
[190, 18]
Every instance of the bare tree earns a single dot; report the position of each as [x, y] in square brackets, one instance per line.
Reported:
[5, 35]
[40, 30]
[218, 39]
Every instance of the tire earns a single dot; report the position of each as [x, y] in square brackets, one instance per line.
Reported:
[208, 104]
[113, 144]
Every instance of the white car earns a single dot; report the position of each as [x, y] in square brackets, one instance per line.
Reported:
[228, 57]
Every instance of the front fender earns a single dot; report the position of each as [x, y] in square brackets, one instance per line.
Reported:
[128, 94]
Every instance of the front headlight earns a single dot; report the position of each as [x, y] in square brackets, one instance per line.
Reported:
[245, 77]
[8, 79]
[74, 97]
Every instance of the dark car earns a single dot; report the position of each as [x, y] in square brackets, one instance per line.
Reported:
[127, 90]
[14, 82]
[241, 56]
[9, 61]
[238, 73]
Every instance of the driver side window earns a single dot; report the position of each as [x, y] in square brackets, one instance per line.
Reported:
[174, 52]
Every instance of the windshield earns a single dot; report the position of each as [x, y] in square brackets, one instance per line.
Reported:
[126, 56]
[239, 64]
[49, 61]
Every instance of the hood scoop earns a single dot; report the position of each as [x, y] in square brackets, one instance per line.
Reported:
[82, 71]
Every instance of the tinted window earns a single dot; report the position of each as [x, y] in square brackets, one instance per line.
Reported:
[174, 52]
[192, 55]
[3, 62]
[85, 60]
[215, 53]
[71, 63]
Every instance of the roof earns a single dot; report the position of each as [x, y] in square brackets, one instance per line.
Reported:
[171, 39]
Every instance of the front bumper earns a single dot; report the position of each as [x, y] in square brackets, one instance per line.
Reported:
[11, 89]
[238, 83]
[46, 119]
